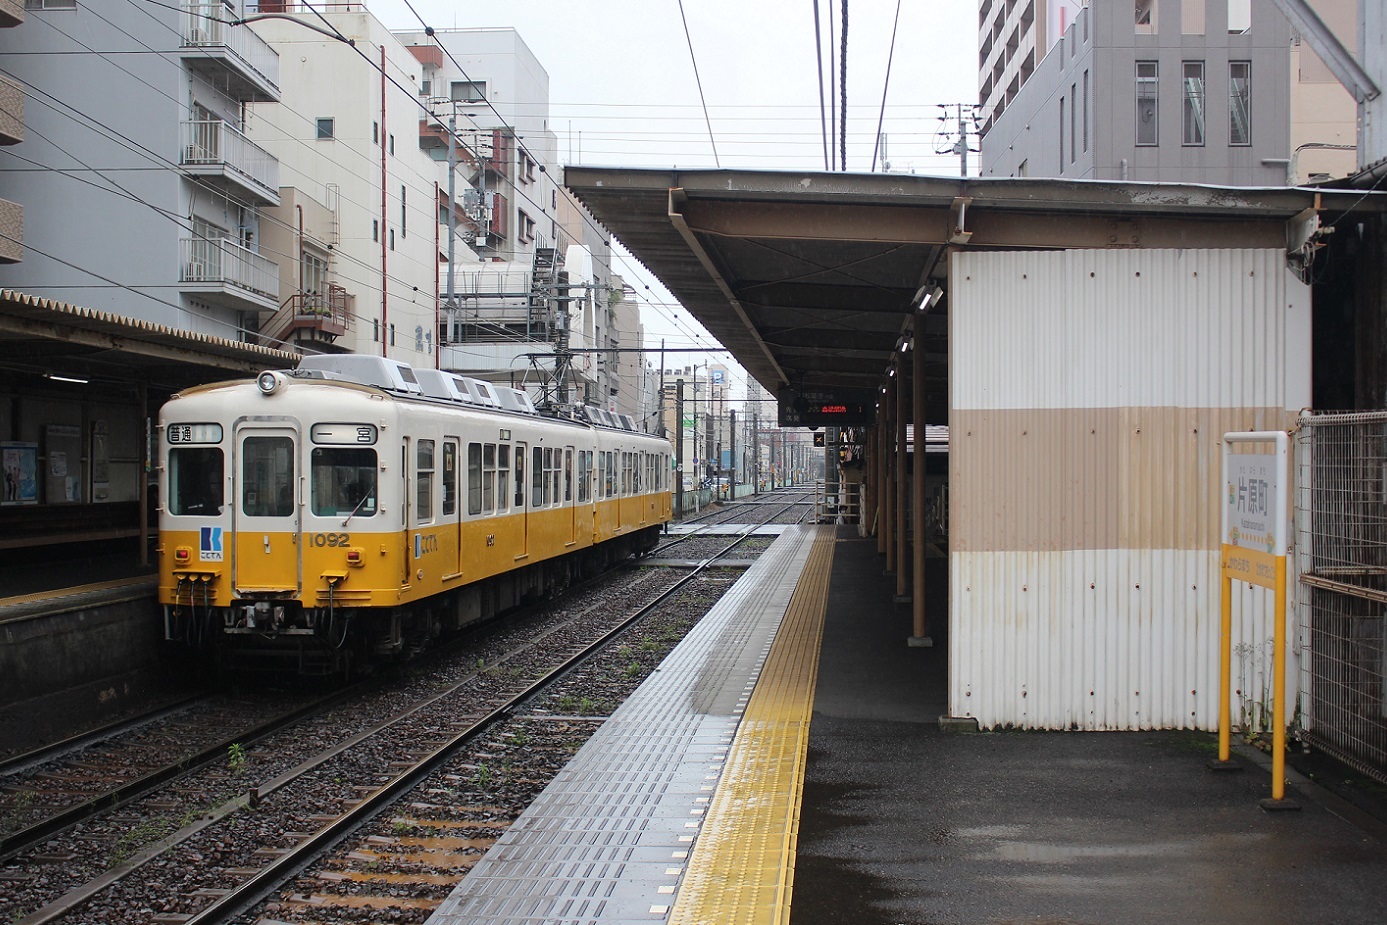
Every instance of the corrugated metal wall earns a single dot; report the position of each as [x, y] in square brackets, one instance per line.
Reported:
[1089, 394]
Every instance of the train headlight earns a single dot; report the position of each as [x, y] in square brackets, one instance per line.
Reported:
[269, 381]
[182, 554]
[355, 557]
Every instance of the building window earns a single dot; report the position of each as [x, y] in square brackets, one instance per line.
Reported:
[1146, 103]
[1073, 119]
[1240, 102]
[392, 239]
[375, 230]
[1085, 104]
[1061, 136]
[1192, 104]
[392, 144]
[1192, 17]
[50, 4]
[469, 91]
[1239, 16]
[327, 128]
[525, 226]
[404, 211]
[375, 133]
[1146, 17]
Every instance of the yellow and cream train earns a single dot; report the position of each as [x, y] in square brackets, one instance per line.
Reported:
[354, 509]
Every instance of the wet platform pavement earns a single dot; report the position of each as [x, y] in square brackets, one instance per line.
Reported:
[902, 822]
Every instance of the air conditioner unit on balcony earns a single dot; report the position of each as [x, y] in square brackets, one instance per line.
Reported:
[197, 271]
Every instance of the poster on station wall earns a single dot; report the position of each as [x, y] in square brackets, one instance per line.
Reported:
[19, 464]
[62, 446]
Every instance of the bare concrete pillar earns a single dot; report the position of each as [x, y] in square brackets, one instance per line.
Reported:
[921, 635]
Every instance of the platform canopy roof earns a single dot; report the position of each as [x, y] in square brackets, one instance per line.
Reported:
[44, 337]
[811, 279]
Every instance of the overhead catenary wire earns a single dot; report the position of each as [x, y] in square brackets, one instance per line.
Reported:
[885, 84]
[819, 56]
[699, 81]
[843, 87]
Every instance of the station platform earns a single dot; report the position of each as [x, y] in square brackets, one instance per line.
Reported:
[787, 764]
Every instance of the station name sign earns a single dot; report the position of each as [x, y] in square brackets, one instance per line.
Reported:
[826, 407]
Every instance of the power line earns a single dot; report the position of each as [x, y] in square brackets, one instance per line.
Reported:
[885, 84]
[819, 54]
[699, 81]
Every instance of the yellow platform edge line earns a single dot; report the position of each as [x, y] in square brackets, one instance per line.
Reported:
[60, 593]
[741, 869]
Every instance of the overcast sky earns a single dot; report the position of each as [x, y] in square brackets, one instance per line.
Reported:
[623, 92]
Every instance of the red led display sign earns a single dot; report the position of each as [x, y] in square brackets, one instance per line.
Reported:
[826, 408]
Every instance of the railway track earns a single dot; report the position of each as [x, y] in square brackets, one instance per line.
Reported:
[472, 743]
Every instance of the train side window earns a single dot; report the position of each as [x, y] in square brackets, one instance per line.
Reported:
[423, 481]
[555, 462]
[195, 480]
[267, 476]
[343, 481]
[640, 474]
[568, 476]
[450, 477]
[474, 478]
[502, 476]
[520, 476]
[537, 474]
[582, 476]
[611, 473]
[488, 478]
[550, 496]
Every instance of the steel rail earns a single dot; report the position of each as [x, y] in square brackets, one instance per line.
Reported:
[272, 878]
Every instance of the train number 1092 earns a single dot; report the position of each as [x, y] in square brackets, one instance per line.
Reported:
[329, 539]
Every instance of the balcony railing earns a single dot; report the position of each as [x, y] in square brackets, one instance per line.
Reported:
[207, 260]
[206, 25]
[216, 144]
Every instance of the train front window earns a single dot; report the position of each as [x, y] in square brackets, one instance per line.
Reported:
[344, 481]
[195, 480]
[267, 476]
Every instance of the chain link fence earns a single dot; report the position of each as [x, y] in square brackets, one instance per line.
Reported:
[1341, 550]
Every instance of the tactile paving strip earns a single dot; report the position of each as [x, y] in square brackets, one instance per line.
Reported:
[742, 867]
[609, 839]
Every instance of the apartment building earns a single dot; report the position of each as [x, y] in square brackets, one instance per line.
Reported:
[1195, 91]
[542, 309]
[362, 198]
[141, 193]
[11, 132]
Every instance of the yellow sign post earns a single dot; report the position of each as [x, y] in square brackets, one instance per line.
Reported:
[1256, 488]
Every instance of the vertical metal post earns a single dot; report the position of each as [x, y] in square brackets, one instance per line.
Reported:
[732, 453]
[921, 635]
[679, 446]
[755, 454]
[144, 474]
[880, 472]
[452, 216]
[889, 481]
[902, 461]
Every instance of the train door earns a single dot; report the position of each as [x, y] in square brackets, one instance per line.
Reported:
[568, 499]
[406, 512]
[522, 510]
[265, 519]
[452, 514]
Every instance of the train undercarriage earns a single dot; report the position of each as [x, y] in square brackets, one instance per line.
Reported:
[281, 635]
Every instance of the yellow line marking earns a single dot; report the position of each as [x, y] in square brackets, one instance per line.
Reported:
[743, 864]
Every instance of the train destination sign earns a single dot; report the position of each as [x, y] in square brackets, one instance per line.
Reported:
[826, 407]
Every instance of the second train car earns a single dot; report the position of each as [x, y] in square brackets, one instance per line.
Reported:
[334, 516]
